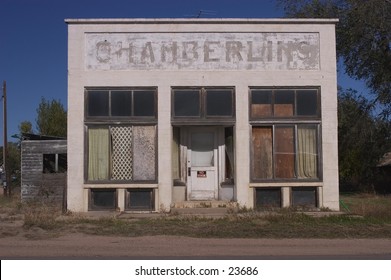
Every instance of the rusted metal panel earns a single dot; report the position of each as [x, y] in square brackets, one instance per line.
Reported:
[202, 51]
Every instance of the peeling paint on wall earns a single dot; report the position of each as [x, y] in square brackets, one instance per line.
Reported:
[202, 51]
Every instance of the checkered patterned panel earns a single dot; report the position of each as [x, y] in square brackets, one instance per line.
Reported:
[122, 158]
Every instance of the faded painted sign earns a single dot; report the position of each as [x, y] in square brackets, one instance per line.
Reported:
[202, 51]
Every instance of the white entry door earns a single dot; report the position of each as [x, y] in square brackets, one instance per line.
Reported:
[202, 161]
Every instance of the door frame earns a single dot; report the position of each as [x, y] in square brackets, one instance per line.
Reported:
[219, 156]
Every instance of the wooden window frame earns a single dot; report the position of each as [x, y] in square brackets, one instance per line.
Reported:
[203, 117]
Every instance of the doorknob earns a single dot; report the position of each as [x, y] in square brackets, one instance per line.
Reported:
[189, 171]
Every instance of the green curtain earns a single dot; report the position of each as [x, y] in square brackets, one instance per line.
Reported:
[98, 154]
[307, 152]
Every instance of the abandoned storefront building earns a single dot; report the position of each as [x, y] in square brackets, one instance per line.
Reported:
[164, 112]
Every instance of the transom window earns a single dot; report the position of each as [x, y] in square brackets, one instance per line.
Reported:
[284, 103]
[120, 103]
[203, 103]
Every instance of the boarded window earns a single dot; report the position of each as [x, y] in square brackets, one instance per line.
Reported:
[262, 141]
[284, 152]
[103, 199]
[284, 103]
[139, 200]
[261, 103]
[268, 197]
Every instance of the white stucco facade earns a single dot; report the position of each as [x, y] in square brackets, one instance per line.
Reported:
[171, 57]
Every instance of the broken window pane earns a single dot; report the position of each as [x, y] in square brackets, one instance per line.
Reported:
[284, 103]
[262, 142]
[307, 102]
[54, 163]
[187, 103]
[98, 103]
[144, 103]
[261, 103]
[121, 103]
[219, 102]
[268, 197]
[307, 155]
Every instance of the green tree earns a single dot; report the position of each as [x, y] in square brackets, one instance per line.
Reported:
[51, 118]
[363, 38]
[25, 127]
[363, 138]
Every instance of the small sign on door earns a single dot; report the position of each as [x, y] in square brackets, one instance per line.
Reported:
[201, 174]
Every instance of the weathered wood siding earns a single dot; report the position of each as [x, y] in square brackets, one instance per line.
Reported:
[36, 185]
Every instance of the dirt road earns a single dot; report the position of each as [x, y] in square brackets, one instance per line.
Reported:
[80, 246]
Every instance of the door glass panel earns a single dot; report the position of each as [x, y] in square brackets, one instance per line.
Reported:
[202, 149]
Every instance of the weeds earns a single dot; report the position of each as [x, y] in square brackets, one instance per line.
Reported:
[369, 217]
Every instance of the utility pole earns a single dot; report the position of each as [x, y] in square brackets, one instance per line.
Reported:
[7, 189]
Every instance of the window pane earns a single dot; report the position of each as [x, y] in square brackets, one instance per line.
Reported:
[270, 197]
[144, 103]
[262, 152]
[284, 152]
[187, 103]
[284, 103]
[98, 103]
[307, 102]
[304, 197]
[202, 149]
[307, 154]
[121, 103]
[219, 102]
[103, 199]
[139, 199]
[261, 101]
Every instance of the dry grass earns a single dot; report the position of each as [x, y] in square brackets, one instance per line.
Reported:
[371, 219]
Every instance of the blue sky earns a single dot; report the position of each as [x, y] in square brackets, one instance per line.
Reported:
[33, 42]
